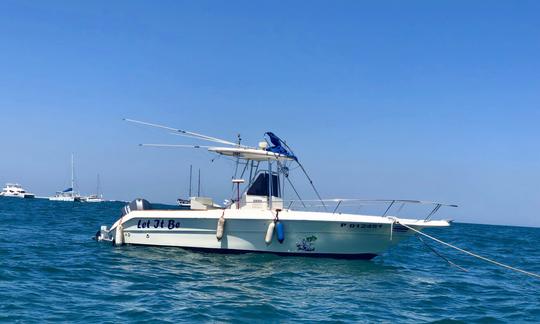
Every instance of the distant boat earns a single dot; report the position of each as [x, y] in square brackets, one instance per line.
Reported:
[98, 197]
[15, 190]
[93, 198]
[186, 203]
[68, 194]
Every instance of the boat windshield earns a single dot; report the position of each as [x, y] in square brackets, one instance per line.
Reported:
[260, 186]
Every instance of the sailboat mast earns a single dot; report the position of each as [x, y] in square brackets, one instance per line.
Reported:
[72, 176]
[190, 176]
[97, 187]
[199, 185]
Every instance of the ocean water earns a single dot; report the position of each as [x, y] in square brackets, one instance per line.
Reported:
[52, 270]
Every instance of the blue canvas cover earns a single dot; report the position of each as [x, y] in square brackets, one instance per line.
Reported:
[277, 146]
[68, 190]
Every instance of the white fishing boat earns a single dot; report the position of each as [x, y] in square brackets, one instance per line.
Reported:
[95, 198]
[15, 190]
[68, 194]
[259, 219]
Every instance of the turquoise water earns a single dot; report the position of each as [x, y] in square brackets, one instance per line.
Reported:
[53, 271]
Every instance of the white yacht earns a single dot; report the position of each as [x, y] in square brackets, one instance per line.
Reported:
[259, 219]
[68, 194]
[97, 197]
[93, 198]
[15, 190]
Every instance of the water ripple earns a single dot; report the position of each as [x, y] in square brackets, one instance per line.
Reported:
[53, 271]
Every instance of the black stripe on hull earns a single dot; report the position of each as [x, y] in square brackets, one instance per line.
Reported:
[358, 256]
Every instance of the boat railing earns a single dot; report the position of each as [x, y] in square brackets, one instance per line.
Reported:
[394, 206]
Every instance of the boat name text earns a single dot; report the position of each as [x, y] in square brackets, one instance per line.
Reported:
[158, 223]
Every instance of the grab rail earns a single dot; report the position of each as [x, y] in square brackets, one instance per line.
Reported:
[348, 202]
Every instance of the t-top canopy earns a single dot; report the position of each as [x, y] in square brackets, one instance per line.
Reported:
[250, 153]
[278, 146]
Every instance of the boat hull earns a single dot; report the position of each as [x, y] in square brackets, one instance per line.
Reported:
[93, 200]
[72, 199]
[348, 256]
[17, 195]
[340, 237]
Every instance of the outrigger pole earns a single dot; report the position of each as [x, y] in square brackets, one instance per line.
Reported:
[175, 145]
[273, 138]
[301, 167]
[185, 133]
[311, 183]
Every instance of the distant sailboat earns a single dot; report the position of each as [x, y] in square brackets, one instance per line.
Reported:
[98, 197]
[187, 202]
[68, 194]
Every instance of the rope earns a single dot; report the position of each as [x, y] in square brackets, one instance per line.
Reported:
[276, 218]
[440, 255]
[470, 253]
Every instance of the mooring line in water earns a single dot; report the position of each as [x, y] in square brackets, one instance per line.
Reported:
[440, 255]
[467, 252]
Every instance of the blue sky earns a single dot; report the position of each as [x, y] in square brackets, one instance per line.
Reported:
[434, 100]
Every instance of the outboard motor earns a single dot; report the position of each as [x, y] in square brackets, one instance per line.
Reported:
[137, 204]
[104, 234]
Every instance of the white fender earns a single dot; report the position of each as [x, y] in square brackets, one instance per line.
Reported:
[220, 228]
[119, 235]
[270, 233]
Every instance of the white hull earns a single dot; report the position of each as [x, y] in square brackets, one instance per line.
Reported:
[93, 200]
[306, 233]
[15, 190]
[17, 195]
[64, 198]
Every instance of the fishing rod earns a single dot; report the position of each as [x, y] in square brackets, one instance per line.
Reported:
[185, 133]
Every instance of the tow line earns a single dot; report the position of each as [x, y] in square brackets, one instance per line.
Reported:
[467, 252]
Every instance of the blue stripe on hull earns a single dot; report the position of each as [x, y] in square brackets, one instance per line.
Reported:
[359, 256]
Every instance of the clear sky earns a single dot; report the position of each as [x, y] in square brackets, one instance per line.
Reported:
[434, 100]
